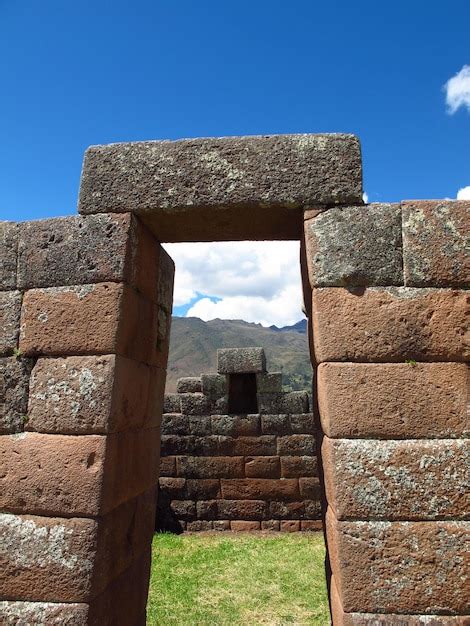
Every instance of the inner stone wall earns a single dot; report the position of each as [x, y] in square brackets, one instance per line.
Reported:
[85, 311]
[238, 472]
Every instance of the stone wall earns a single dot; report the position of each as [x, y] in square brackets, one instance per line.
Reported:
[86, 309]
[387, 293]
[246, 471]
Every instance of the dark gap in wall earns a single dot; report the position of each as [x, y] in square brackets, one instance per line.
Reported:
[242, 394]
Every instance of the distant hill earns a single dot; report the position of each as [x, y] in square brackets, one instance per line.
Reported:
[194, 343]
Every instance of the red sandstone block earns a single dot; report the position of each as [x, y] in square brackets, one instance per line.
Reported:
[296, 466]
[71, 560]
[396, 480]
[271, 525]
[290, 526]
[242, 509]
[174, 487]
[296, 445]
[89, 319]
[419, 557]
[167, 466]
[14, 383]
[200, 467]
[166, 274]
[260, 489]
[263, 467]
[436, 243]
[155, 397]
[393, 400]
[311, 525]
[87, 395]
[310, 488]
[75, 475]
[248, 446]
[390, 324]
[244, 526]
[10, 307]
[287, 510]
[98, 248]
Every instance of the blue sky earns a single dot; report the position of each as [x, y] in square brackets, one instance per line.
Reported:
[80, 73]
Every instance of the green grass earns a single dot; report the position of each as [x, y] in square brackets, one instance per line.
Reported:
[237, 579]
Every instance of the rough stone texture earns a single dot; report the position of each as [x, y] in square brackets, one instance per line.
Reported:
[240, 360]
[290, 402]
[200, 467]
[172, 403]
[10, 308]
[263, 467]
[175, 424]
[100, 472]
[436, 243]
[355, 245]
[397, 480]
[260, 489]
[214, 386]
[8, 255]
[194, 404]
[296, 445]
[390, 324]
[166, 276]
[14, 384]
[235, 425]
[88, 395]
[189, 384]
[15, 613]
[394, 400]
[269, 382]
[64, 321]
[71, 560]
[340, 618]
[400, 567]
[82, 250]
[292, 466]
[222, 188]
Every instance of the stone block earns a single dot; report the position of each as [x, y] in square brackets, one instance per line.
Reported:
[79, 250]
[103, 318]
[200, 425]
[240, 360]
[167, 466]
[310, 488]
[390, 324]
[270, 403]
[221, 525]
[244, 526]
[15, 612]
[235, 425]
[72, 560]
[189, 384]
[87, 395]
[194, 404]
[202, 488]
[436, 243]
[296, 466]
[14, 385]
[271, 525]
[214, 386]
[199, 526]
[294, 402]
[275, 424]
[311, 525]
[155, 397]
[207, 509]
[296, 445]
[200, 467]
[172, 403]
[302, 423]
[393, 400]
[175, 424]
[290, 526]
[177, 444]
[166, 276]
[269, 382]
[393, 480]
[262, 467]
[10, 309]
[387, 567]
[355, 245]
[248, 193]
[175, 488]
[286, 510]
[79, 475]
[260, 489]
[261, 445]
[183, 509]
[8, 255]
[252, 510]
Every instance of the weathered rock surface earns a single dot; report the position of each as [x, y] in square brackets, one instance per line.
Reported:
[8, 255]
[240, 360]
[10, 309]
[14, 386]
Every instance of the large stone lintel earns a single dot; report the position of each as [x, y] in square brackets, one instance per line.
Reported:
[228, 188]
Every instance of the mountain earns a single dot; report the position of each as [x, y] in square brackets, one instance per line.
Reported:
[194, 343]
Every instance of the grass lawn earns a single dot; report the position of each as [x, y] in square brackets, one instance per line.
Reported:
[235, 579]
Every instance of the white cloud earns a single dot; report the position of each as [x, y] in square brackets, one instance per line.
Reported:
[255, 281]
[458, 90]
[365, 197]
[464, 193]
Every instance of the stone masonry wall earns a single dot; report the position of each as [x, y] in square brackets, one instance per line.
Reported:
[386, 287]
[237, 472]
[85, 310]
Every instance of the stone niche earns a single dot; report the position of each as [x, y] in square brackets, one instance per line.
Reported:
[237, 452]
